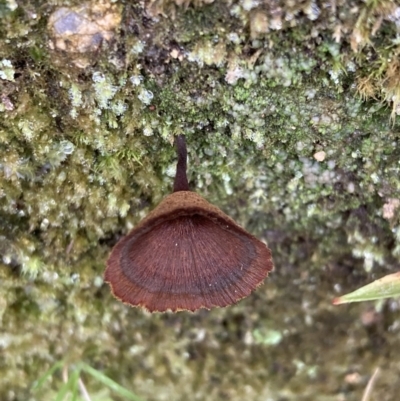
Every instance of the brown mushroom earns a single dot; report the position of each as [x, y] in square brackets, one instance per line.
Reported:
[186, 254]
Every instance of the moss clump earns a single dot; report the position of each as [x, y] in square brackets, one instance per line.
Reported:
[259, 90]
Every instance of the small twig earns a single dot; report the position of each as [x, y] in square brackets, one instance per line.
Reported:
[69, 247]
[370, 385]
[84, 392]
[65, 373]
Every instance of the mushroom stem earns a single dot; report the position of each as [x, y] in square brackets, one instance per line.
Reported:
[181, 182]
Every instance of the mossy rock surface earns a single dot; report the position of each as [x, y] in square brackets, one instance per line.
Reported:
[289, 110]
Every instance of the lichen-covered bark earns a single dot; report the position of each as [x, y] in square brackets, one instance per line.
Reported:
[289, 110]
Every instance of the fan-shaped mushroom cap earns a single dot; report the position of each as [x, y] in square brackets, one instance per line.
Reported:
[185, 255]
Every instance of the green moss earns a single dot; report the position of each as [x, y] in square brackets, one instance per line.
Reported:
[7, 71]
[86, 153]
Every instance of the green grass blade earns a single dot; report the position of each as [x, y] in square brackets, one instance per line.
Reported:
[122, 391]
[69, 385]
[39, 383]
[62, 392]
[74, 384]
[386, 287]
